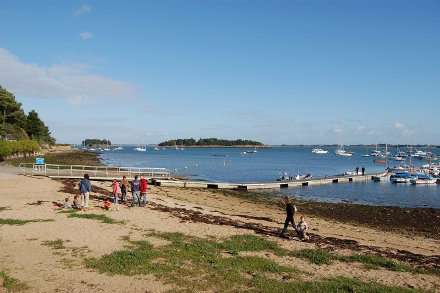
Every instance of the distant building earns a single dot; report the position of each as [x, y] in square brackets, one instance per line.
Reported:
[9, 137]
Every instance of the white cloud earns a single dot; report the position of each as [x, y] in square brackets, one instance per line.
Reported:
[360, 128]
[72, 83]
[82, 10]
[404, 130]
[86, 35]
[338, 130]
[374, 133]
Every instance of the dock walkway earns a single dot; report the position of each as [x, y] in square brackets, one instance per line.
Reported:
[264, 185]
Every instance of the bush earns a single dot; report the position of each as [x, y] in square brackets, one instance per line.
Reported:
[13, 147]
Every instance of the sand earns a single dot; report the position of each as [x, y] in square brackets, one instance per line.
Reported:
[201, 213]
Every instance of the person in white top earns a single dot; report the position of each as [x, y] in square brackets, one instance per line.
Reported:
[302, 228]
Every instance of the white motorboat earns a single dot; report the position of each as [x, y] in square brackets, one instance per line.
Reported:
[156, 149]
[420, 155]
[398, 158]
[319, 151]
[423, 179]
[141, 149]
[399, 169]
[119, 148]
[342, 152]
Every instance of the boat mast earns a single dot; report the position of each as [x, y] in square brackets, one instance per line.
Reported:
[410, 159]
[430, 153]
[386, 157]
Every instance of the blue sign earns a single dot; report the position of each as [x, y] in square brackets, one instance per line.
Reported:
[39, 161]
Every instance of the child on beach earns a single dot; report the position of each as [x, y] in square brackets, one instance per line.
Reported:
[66, 203]
[107, 205]
[290, 212]
[115, 186]
[302, 228]
[75, 202]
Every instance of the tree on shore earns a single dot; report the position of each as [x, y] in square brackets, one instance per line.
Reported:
[15, 122]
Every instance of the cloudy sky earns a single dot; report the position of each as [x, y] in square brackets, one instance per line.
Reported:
[293, 72]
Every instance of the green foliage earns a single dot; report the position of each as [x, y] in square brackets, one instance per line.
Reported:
[337, 285]
[102, 218]
[194, 264]
[324, 256]
[95, 141]
[10, 110]
[21, 222]
[14, 121]
[3, 208]
[36, 129]
[13, 147]
[56, 244]
[210, 142]
[316, 256]
[12, 284]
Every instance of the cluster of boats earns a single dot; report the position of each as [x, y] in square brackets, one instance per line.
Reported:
[297, 177]
[425, 174]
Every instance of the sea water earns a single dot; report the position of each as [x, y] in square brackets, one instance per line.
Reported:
[268, 164]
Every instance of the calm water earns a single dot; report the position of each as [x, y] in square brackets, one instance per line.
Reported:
[229, 165]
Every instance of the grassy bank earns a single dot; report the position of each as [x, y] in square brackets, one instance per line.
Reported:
[73, 157]
[195, 264]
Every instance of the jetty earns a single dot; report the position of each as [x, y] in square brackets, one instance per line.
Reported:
[162, 177]
[264, 185]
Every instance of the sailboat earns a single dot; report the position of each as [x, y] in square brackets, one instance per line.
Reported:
[106, 146]
[141, 148]
[119, 148]
[384, 176]
[341, 152]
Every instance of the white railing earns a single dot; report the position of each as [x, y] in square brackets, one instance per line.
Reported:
[93, 171]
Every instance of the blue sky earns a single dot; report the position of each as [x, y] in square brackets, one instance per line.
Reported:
[293, 72]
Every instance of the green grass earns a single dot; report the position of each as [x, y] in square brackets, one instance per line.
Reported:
[102, 218]
[21, 222]
[55, 244]
[196, 264]
[337, 285]
[12, 284]
[193, 263]
[324, 256]
[3, 208]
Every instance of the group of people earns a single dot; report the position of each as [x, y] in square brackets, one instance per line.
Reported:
[302, 227]
[357, 170]
[138, 189]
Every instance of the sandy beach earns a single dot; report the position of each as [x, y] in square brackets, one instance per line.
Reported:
[65, 253]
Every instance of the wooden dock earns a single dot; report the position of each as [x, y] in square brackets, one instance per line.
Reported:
[263, 185]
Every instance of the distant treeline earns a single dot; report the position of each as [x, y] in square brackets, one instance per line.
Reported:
[96, 141]
[210, 142]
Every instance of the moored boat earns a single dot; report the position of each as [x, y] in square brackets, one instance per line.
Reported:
[401, 178]
[423, 179]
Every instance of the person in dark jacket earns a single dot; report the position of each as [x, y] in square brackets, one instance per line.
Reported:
[290, 212]
[85, 187]
[143, 189]
[124, 186]
[363, 170]
[135, 191]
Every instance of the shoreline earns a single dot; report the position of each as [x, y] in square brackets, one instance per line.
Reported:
[203, 233]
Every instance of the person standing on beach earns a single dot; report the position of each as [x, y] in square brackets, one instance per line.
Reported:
[363, 170]
[290, 212]
[85, 187]
[135, 184]
[143, 189]
[357, 170]
[115, 186]
[124, 186]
